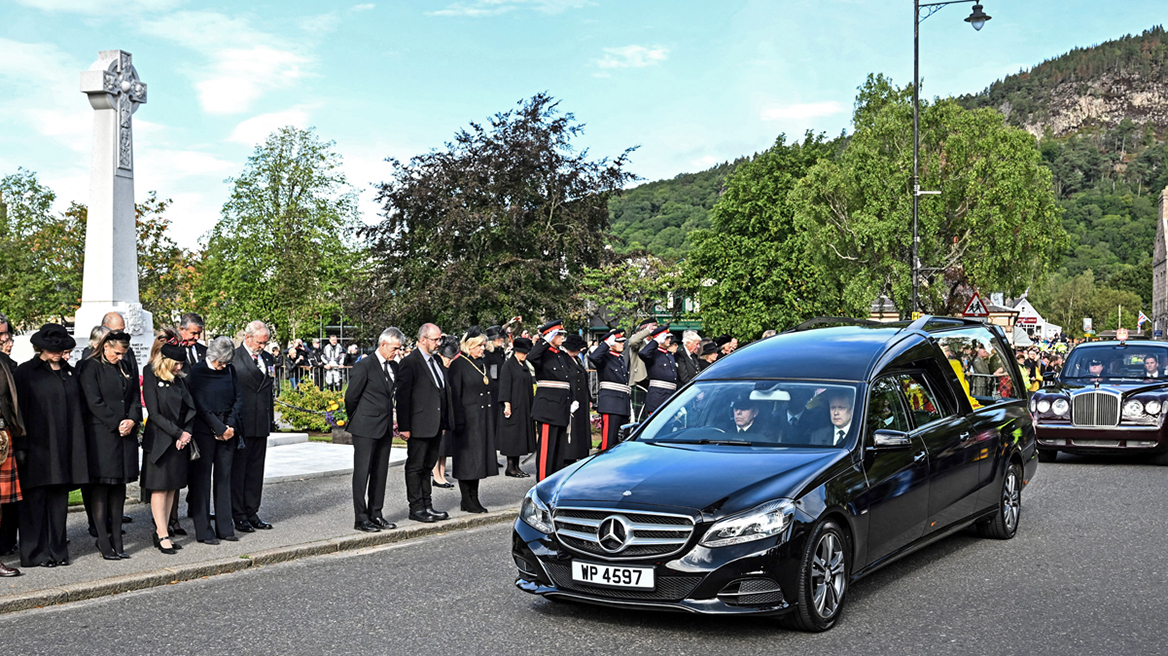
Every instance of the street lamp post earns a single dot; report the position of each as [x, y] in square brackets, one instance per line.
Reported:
[977, 19]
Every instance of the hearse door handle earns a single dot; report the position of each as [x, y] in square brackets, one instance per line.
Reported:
[965, 435]
[919, 457]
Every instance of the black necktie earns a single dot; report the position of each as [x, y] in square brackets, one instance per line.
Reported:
[388, 373]
[437, 374]
[839, 436]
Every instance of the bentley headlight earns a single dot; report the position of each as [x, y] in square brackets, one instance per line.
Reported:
[1060, 406]
[763, 521]
[1153, 407]
[534, 512]
[1133, 409]
[1043, 406]
[1033, 405]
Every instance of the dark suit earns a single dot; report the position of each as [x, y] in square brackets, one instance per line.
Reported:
[247, 468]
[662, 370]
[423, 410]
[798, 432]
[687, 365]
[826, 436]
[613, 398]
[369, 406]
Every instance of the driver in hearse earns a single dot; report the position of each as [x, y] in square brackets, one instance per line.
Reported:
[840, 410]
[1152, 367]
[745, 413]
[1095, 368]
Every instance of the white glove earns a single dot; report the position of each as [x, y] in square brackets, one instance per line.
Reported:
[575, 406]
[610, 341]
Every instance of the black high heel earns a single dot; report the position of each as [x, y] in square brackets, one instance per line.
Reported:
[108, 556]
[176, 545]
[166, 550]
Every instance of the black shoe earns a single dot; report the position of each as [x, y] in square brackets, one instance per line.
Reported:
[49, 563]
[447, 485]
[123, 555]
[230, 538]
[64, 563]
[176, 529]
[382, 522]
[437, 514]
[244, 527]
[423, 516]
[110, 555]
[126, 519]
[176, 545]
[210, 541]
[367, 526]
[7, 571]
[260, 524]
[166, 550]
[518, 473]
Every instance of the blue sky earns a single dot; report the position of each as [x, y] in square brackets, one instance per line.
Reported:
[692, 83]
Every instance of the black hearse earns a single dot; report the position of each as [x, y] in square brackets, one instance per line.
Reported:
[785, 472]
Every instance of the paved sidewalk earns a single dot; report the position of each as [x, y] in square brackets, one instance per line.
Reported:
[312, 514]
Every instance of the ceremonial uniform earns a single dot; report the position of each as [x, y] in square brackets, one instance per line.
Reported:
[553, 400]
[662, 370]
[580, 430]
[612, 400]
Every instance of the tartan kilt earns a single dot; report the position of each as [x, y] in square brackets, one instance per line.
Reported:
[9, 483]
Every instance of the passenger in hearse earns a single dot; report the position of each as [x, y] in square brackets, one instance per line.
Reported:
[840, 410]
[1152, 367]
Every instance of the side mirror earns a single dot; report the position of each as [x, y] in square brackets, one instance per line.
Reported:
[625, 431]
[889, 440]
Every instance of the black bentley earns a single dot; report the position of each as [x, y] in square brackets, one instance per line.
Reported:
[785, 472]
[1111, 397]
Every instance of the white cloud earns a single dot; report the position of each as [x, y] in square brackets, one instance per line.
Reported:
[632, 57]
[479, 8]
[801, 111]
[363, 7]
[320, 24]
[242, 63]
[257, 128]
[41, 92]
[97, 7]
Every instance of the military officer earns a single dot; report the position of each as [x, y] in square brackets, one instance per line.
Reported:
[612, 401]
[552, 408]
[662, 368]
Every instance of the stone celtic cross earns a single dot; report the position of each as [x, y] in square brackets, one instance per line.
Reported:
[112, 83]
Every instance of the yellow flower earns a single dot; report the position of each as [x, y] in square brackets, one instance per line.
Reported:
[340, 422]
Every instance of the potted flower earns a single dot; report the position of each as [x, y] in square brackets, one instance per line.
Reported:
[334, 414]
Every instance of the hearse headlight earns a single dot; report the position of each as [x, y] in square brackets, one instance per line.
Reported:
[1060, 406]
[1153, 407]
[1133, 409]
[1043, 406]
[763, 521]
[534, 512]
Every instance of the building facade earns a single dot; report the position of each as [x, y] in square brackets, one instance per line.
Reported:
[1160, 270]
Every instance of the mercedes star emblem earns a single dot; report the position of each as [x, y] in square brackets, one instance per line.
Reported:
[613, 533]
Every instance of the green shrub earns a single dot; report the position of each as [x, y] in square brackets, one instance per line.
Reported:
[309, 408]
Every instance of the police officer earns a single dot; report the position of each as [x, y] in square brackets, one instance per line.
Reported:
[552, 408]
[662, 369]
[612, 401]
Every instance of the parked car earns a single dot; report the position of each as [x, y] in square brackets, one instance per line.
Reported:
[785, 472]
[1110, 397]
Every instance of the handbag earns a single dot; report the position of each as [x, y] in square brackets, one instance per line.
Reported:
[193, 451]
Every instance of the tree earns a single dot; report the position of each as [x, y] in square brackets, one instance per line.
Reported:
[750, 270]
[167, 273]
[284, 246]
[995, 225]
[502, 221]
[627, 289]
[41, 253]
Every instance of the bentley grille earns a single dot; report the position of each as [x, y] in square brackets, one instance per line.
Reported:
[1095, 409]
[621, 534]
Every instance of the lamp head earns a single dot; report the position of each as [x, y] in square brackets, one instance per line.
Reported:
[978, 18]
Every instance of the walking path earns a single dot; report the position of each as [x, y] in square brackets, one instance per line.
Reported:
[307, 497]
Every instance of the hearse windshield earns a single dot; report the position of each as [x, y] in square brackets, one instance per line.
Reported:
[757, 413]
[1134, 361]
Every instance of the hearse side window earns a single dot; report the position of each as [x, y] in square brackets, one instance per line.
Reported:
[985, 368]
[885, 409]
[923, 405]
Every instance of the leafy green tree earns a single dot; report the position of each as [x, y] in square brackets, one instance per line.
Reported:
[284, 247]
[627, 289]
[995, 225]
[167, 273]
[502, 221]
[750, 270]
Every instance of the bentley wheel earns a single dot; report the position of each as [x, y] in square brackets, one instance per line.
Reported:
[1004, 524]
[823, 580]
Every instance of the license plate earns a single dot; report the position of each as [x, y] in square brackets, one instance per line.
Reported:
[640, 578]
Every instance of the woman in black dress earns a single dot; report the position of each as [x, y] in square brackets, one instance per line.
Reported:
[51, 455]
[167, 434]
[218, 406]
[447, 350]
[516, 392]
[113, 405]
[474, 420]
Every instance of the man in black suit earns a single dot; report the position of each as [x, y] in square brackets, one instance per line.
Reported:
[423, 412]
[369, 405]
[190, 329]
[687, 356]
[253, 369]
[840, 409]
[746, 424]
[794, 420]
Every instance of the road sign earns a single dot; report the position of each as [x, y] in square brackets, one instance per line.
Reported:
[975, 308]
[1157, 333]
[1087, 328]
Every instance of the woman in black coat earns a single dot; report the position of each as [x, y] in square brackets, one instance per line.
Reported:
[113, 404]
[516, 392]
[167, 434]
[474, 421]
[51, 456]
[218, 405]
[447, 350]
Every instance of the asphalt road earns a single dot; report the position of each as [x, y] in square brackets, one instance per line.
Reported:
[1087, 574]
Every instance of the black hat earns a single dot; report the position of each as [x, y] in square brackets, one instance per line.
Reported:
[615, 332]
[448, 346]
[644, 323]
[522, 345]
[552, 327]
[494, 332]
[743, 401]
[574, 342]
[660, 333]
[472, 332]
[709, 348]
[173, 351]
[722, 340]
[54, 338]
[1095, 362]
